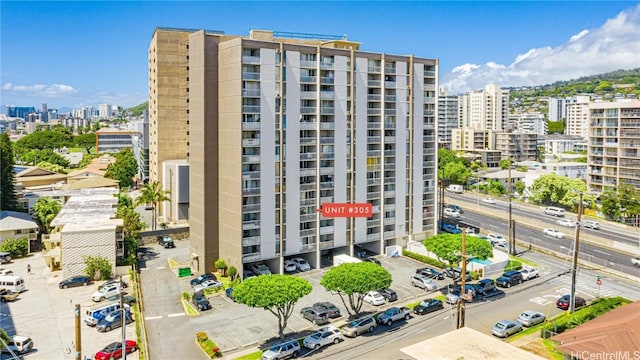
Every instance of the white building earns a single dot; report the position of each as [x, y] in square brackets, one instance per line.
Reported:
[105, 111]
[447, 118]
[578, 116]
[486, 109]
[559, 144]
[557, 109]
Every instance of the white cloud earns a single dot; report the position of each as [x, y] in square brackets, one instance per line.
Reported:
[615, 45]
[40, 90]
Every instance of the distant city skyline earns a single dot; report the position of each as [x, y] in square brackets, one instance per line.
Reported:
[75, 54]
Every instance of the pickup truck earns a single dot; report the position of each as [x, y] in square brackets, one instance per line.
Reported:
[393, 314]
[8, 295]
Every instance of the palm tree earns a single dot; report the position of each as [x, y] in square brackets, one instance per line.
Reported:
[153, 194]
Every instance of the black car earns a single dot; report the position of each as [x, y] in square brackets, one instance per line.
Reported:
[484, 286]
[331, 310]
[388, 294]
[373, 260]
[198, 280]
[166, 241]
[315, 315]
[79, 280]
[201, 302]
[431, 273]
[428, 305]
[509, 278]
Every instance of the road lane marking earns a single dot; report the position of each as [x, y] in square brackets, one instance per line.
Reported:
[176, 314]
[152, 317]
[601, 252]
[161, 267]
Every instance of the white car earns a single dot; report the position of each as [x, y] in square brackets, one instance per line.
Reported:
[105, 292]
[529, 273]
[502, 245]
[488, 201]
[451, 213]
[301, 264]
[566, 222]
[207, 284]
[590, 224]
[324, 336]
[374, 298]
[553, 232]
[496, 238]
[289, 266]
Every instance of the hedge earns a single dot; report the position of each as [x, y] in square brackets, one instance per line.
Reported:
[424, 259]
[207, 345]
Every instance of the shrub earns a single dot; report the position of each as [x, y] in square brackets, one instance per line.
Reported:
[423, 258]
[97, 264]
[16, 247]
[186, 296]
[207, 345]
[474, 275]
[233, 272]
[221, 265]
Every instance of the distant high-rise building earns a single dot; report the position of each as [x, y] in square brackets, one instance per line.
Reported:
[578, 116]
[19, 111]
[105, 111]
[486, 109]
[447, 118]
[557, 109]
[614, 142]
[530, 123]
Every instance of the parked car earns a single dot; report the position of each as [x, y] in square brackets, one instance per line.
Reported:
[531, 318]
[315, 315]
[529, 273]
[373, 260]
[454, 207]
[6, 272]
[105, 292]
[301, 264]
[423, 282]
[496, 238]
[207, 284]
[563, 302]
[324, 336]
[451, 213]
[19, 345]
[79, 280]
[374, 298]
[451, 229]
[201, 302]
[111, 282]
[505, 328]
[453, 296]
[113, 321]
[388, 294]
[488, 201]
[126, 298]
[260, 269]
[553, 232]
[283, 350]
[393, 314]
[331, 310]
[289, 266]
[454, 273]
[428, 305]
[114, 350]
[503, 246]
[431, 273]
[509, 278]
[8, 295]
[566, 222]
[590, 224]
[199, 279]
[359, 326]
[166, 241]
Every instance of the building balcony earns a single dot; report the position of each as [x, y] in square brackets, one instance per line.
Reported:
[327, 110]
[326, 230]
[327, 185]
[374, 69]
[251, 93]
[251, 241]
[250, 225]
[307, 109]
[374, 139]
[389, 111]
[389, 234]
[429, 100]
[308, 125]
[251, 175]
[374, 181]
[373, 124]
[250, 75]
[307, 232]
[308, 95]
[251, 125]
[248, 59]
[327, 95]
[389, 139]
[250, 159]
[428, 73]
[251, 191]
[308, 79]
[374, 83]
[307, 247]
[326, 65]
[374, 111]
[247, 258]
[307, 141]
[374, 97]
[327, 125]
[250, 208]
[327, 170]
[390, 84]
[308, 64]
[326, 245]
[373, 237]
[326, 80]
[250, 142]
[307, 156]
[254, 109]
[308, 172]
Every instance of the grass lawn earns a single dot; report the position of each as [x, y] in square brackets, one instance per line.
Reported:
[253, 356]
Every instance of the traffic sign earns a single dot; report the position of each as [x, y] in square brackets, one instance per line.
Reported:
[599, 282]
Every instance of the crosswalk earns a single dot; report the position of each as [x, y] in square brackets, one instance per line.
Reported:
[562, 286]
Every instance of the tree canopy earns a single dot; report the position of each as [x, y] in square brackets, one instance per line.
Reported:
[448, 248]
[46, 209]
[552, 189]
[354, 281]
[8, 197]
[124, 168]
[621, 202]
[274, 292]
[152, 193]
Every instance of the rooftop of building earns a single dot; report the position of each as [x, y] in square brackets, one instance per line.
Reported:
[88, 209]
[15, 220]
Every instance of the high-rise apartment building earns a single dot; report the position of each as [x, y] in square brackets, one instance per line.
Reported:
[614, 145]
[517, 146]
[486, 109]
[280, 124]
[447, 118]
[557, 109]
[578, 116]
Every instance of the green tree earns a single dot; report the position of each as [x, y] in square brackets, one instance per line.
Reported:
[496, 187]
[153, 194]
[233, 272]
[221, 266]
[446, 156]
[46, 139]
[97, 265]
[5, 338]
[52, 167]
[46, 209]
[35, 157]
[448, 248]
[552, 189]
[124, 168]
[16, 247]
[457, 172]
[8, 197]
[621, 202]
[354, 281]
[519, 186]
[132, 226]
[276, 293]
[86, 160]
[504, 164]
[86, 141]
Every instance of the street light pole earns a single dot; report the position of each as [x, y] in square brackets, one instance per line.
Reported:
[574, 267]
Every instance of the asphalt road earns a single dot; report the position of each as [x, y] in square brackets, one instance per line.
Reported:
[596, 246]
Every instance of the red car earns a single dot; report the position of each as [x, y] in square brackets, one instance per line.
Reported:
[114, 350]
[563, 302]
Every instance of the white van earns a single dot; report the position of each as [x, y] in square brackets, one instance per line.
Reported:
[554, 211]
[454, 188]
[13, 283]
[99, 312]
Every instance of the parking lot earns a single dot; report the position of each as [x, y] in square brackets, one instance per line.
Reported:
[235, 326]
[46, 314]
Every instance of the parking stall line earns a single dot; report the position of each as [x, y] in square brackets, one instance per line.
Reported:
[152, 317]
[176, 315]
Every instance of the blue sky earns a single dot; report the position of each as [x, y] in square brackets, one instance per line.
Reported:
[86, 53]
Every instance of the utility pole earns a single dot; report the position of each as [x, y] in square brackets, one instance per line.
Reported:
[463, 276]
[574, 267]
[512, 236]
[76, 314]
[123, 318]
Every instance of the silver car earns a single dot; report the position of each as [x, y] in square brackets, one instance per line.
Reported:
[360, 326]
[423, 282]
[530, 318]
[505, 328]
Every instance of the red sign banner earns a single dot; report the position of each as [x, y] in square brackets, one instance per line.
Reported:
[347, 210]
